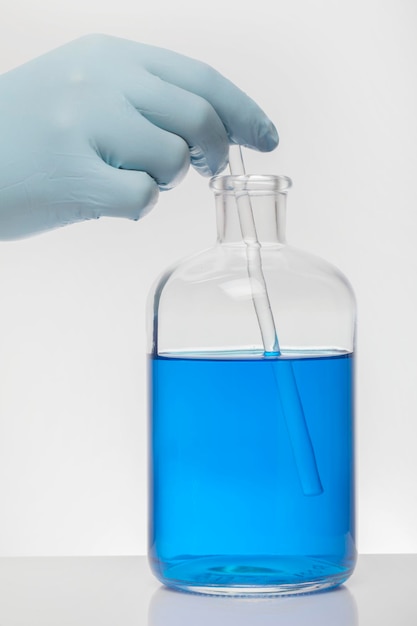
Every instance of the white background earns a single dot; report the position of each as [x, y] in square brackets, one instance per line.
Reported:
[339, 81]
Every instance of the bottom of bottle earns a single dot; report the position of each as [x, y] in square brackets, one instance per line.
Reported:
[252, 576]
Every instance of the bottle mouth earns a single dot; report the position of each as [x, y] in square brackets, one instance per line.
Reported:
[253, 183]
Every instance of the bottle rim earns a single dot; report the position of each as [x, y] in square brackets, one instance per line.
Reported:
[261, 183]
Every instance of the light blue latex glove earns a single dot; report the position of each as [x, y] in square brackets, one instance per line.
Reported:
[96, 127]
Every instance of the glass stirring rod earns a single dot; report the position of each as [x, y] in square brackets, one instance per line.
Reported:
[288, 394]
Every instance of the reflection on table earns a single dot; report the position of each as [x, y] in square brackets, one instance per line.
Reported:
[173, 608]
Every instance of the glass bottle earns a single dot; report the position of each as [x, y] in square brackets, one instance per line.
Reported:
[251, 452]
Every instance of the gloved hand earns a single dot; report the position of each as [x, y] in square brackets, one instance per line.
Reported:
[99, 125]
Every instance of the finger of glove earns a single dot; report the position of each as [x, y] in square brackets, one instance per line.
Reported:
[245, 122]
[187, 115]
[121, 193]
[69, 189]
[89, 188]
[131, 142]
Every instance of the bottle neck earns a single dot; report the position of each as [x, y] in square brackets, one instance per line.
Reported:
[238, 198]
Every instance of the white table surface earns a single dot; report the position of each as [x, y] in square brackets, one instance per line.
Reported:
[99, 591]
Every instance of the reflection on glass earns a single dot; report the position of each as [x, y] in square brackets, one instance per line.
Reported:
[172, 608]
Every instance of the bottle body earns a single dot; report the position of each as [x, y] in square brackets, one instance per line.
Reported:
[251, 456]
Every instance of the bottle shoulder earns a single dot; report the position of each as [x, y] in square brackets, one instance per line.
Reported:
[220, 262]
[208, 300]
[315, 265]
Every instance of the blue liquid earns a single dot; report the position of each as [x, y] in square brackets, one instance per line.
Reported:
[228, 512]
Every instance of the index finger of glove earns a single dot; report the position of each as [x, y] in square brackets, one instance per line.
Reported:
[245, 122]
